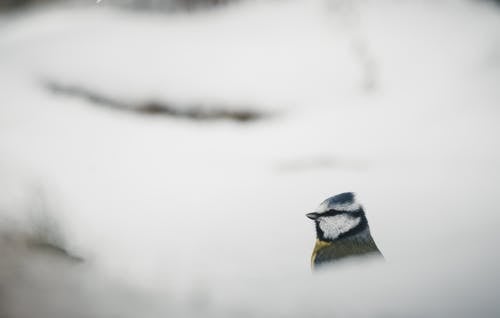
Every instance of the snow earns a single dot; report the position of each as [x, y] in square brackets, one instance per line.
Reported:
[395, 100]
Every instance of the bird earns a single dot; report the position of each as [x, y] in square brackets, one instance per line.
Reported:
[342, 231]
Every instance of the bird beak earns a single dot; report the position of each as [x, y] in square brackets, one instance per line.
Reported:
[313, 215]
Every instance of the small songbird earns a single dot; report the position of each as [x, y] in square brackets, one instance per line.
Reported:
[341, 231]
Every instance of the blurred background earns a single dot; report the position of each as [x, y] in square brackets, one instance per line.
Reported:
[157, 158]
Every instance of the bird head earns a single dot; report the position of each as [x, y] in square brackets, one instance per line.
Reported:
[338, 217]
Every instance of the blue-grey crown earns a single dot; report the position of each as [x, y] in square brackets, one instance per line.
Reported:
[341, 202]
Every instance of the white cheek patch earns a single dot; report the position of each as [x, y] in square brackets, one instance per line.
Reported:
[334, 226]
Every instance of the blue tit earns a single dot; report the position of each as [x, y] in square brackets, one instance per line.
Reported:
[342, 231]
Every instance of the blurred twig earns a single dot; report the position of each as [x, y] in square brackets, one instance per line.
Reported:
[193, 112]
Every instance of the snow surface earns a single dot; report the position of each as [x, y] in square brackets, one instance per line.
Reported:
[395, 100]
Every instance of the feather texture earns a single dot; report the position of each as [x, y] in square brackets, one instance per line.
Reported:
[359, 245]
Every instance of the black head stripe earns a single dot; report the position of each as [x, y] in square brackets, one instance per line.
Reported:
[332, 212]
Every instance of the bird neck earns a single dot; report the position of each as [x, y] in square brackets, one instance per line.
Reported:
[356, 245]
